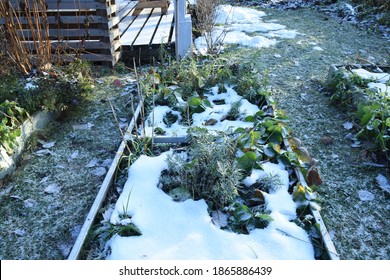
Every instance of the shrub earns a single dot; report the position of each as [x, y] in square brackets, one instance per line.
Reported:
[11, 118]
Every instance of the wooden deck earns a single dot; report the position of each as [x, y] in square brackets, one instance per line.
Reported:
[143, 35]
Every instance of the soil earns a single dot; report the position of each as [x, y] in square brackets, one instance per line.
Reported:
[39, 225]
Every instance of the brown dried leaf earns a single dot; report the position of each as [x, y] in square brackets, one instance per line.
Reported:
[313, 176]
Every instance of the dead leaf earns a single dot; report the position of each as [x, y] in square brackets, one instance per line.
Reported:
[107, 162]
[44, 179]
[52, 188]
[211, 122]
[357, 144]
[46, 145]
[44, 152]
[365, 195]
[303, 154]
[92, 163]
[383, 183]
[257, 199]
[29, 203]
[118, 83]
[348, 125]
[20, 232]
[99, 171]
[326, 140]
[74, 155]
[313, 177]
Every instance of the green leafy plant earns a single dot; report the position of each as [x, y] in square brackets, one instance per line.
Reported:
[11, 119]
[244, 218]
[10, 85]
[374, 117]
[59, 89]
[370, 108]
[264, 140]
[105, 230]
[306, 220]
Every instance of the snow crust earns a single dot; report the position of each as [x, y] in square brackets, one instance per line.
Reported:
[381, 80]
[184, 230]
[244, 26]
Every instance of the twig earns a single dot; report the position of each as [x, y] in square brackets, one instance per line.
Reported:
[365, 60]
[308, 242]
[139, 89]
[117, 122]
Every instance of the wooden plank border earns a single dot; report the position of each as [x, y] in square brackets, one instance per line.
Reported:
[328, 243]
[106, 185]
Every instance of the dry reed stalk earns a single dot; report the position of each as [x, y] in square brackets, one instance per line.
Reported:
[206, 16]
[139, 89]
[31, 16]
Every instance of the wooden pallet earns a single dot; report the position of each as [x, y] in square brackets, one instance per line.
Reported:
[89, 28]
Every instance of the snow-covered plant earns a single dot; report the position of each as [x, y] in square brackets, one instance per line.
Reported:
[210, 170]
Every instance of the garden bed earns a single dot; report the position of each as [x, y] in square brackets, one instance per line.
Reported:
[231, 193]
[364, 91]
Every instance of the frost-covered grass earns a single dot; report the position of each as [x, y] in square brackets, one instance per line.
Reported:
[71, 155]
[297, 76]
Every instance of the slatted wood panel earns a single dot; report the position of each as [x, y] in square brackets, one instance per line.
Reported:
[165, 31]
[134, 28]
[150, 28]
[90, 26]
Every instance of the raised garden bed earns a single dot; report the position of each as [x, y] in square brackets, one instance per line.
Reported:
[237, 179]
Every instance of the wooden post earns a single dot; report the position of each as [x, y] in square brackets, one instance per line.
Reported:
[183, 29]
[111, 34]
